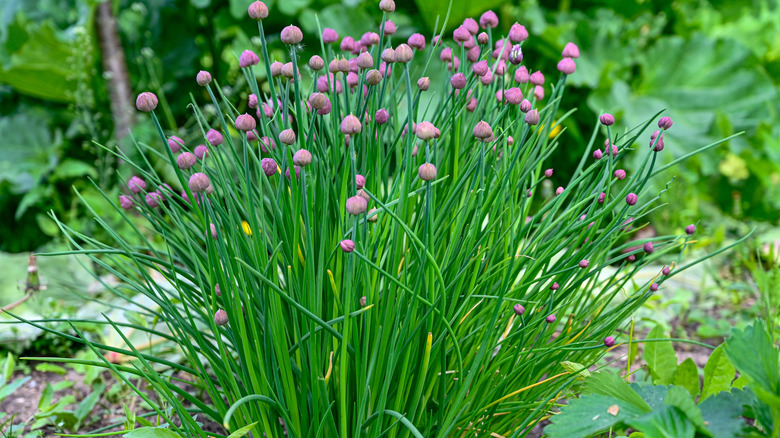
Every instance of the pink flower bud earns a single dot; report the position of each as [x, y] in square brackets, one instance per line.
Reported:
[458, 81]
[654, 287]
[403, 54]
[472, 105]
[351, 125]
[387, 6]
[347, 245]
[480, 68]
[186, 160]
[515, 55]
[360, 181]
[559, 191]
[136, 184]
[382, 116]
[571, 51]
[248, 58]
[648, 247]
[609, 341]
[417, 41]
[665, 123]
[483, 130]
[126, 202]
[347, 44]
[269, 166]
[199, 182]
[316, 63]
[690, 229]
[258, 11]
[427, 172]
[487, 79]
[146, 102]
[583, 264]
[488, 20]
[519, 309]
[461, 34]
[329, 35]
[245, 122]
[631, 199]
[550, 319]
[620, 174]
[536, 78]
[521, 75]
[203, 78]
[220, 317]
[538, 92]
[287, 136]
[567, 66]
[532, 117]
[390, 28]
[297, 170]
[446, 54]
[175, 144]
[356, 205]
[302, 158]
[517, 33]
[425, 131]
[602, 197]
[548, 173]
[666, 271]
[291, 35]
[597, 154]
[514, 96]
[607, 119]
[424, 83]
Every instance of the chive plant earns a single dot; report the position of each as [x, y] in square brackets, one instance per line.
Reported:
[374, 253]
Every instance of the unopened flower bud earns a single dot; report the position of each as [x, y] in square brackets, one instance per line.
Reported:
[248, 58]
[382, 116]
[199, 182]
[654, 287]
[126, 202]
[427, 172]
[665, 123]
[567, 66]
[186, 160]
[690, 229]
[631, 199]
[517, 33]
[425, 131]
[136, 184]
[291, 35]
[403, 54]
[571, 51]
[269, 166]
[519, 309]
[417, 41]
[245, 122]
[203, 78]
[488, 20]
[550, 319]
[424, 83]
[373, 77]
[483, 130]
[221, 317]
[351, 125]
[648, 247]
[458, 81]
[583, 264]
[356, 205]
[287, 136]
[536, 78]
[532, 117]
[329, 35]
[521, 75]
[347, 245]
[316, 63]
[387, 6]
[146, 102]
[597, 154]
[609, 341]
[607, 119]
[620, 174]
[175, 143]
[258, 11]
[302, 158]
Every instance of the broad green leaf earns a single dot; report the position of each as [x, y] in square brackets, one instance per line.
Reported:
[718, 374]
[27, 151]
[588, 415]
[754, 355]
[151, 432]
[687, 376]
[242, 431]
[660, 357]
[723, 411]
[680, 398]
[70, 168]
[610, 384]
[667, 422]
[576, 369]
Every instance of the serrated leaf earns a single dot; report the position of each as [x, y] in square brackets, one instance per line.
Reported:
[718, 374]
[577, 369]
[660, 357]
[151, 432]
[679, 397]
[722, 413]
[667, 422]
[687, 376]
[242, 431]
[588, 415]
[754, 355]
[609, 384]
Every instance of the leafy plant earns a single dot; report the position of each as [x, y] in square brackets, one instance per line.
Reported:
[445, 309]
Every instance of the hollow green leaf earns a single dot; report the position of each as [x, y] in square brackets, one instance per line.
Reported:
[687, 376]
[576, 368]
[718, 374]
[660, 357]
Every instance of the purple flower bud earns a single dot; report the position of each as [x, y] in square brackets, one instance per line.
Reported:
[471, 25]
[302, 158]
[607, 119]
[532, 117]
[513, 96]
[287, 70]
[458, 81]
[583, 264]
[548, 173]
[602, 197]
[567, 66]
[461, 34]
[483, 38]
[487, 78]
[329, 35]
[424, 83]
[571, 51]
[446, 54]
[597, 154]
[403, 54]
[136, 184]
[203, 78]
[217, 291]
[648, 247]
[666, 271]
[488, 20]
[267, 144]
[347, 44]
[351, 125]
[550, 319]
[609, 341]
[472, 105]
[417, 41]
[126, 202]
[248, 58]
[356, 205]
[517, 33]
[631, 258]
[269, 166]
[525, 106]
[382, 116]
[631, 199]
[153, 199]
[483, 130]
[536, 78]
[387, 6]
[519, 309]
[516, 55]
[620, 174]
[521, 75]
[146, 102]
[390, 28]
[347, 245]
[199, 182]
[554, 286]
[369, 39]
[559, 191]
[245, 122]
[291, 35]
[427, 172]
[316, 63]
[258, 11]
[654, 287]
[360, 181]
[214, 137]
[287, 136]
[690, 229]
[175, 144]
[425, 131]
[201, 151]
[186, 160]
[665, 123]
[297, 170]
[221, 317]
[480, 68]
[538, 92]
